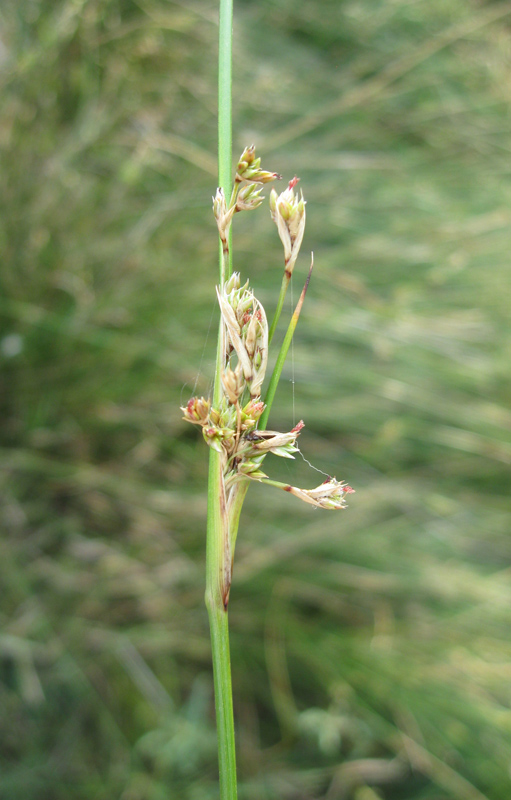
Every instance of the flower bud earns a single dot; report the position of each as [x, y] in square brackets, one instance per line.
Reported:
[249, 197]
[253, 332]
[251, 468]
[223, 215]
[329, 495]
[214, 437]
[249, 168]
[233, 383]
[288, 212]
[196, 410]
[233, 283]
[253, 410]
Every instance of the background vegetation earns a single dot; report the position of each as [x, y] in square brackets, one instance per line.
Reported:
[371, 648]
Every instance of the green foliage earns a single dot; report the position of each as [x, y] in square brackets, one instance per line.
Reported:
[358, 638]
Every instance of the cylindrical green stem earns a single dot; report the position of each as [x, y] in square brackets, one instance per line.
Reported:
[225, 113]
[218, 551]
[218, 562]
[218, 623]
[283, 289]
[277, 370]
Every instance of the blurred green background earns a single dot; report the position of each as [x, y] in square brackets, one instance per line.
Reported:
[371, 648]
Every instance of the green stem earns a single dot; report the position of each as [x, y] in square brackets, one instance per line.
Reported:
[277, 370]
[218, 548]
[225, 115]
[283, 289]
[218, 564]
[277, 484]
[219, 627]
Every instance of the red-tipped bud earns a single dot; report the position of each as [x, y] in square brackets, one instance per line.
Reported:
[249, 168]
[288, 212]
[196, 410]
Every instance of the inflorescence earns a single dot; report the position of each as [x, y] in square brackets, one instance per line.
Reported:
[231, 427]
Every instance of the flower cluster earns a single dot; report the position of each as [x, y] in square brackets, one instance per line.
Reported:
[245, 330]
[223, 427]
[231, 429]
[245, 197]
[231, 426]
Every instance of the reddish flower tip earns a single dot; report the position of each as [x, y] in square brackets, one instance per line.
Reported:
[293, 182]
[298, 427]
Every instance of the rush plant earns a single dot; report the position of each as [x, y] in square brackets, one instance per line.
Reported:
[234, 421]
